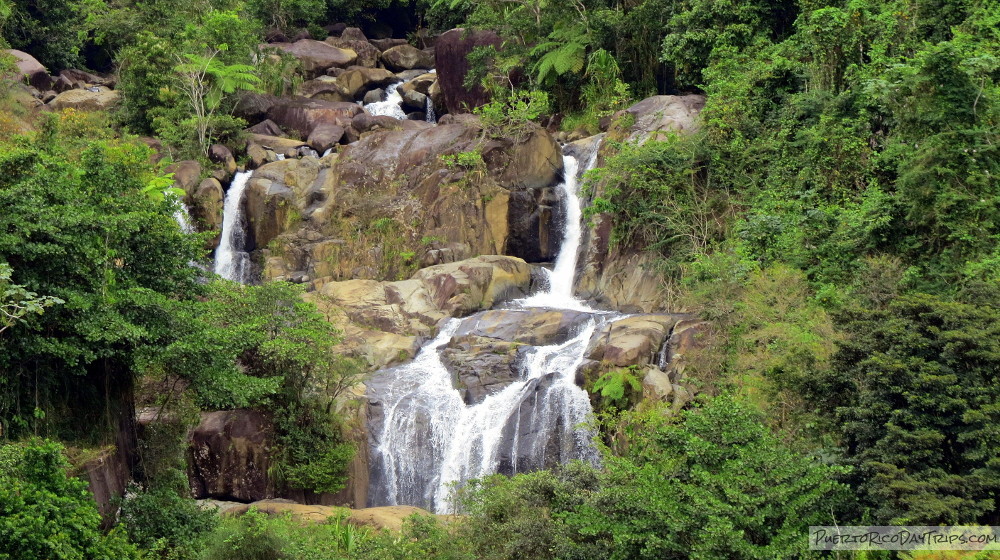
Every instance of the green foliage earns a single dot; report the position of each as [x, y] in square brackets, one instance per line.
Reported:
[287, 15]
[422, 537]
[160, 519]
[182, 81]
[735, 491]
[716, 484]
[661, 199]
[264, 346]
[312, 455]
[78, 227]
[466, 161]
[53, 31]
[510, 116]
[17, 302]
[257, 536]
[521, 517]
[46, 514]
[914, 392]
[619, 387]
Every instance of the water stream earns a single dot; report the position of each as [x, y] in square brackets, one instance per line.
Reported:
[232, 261]
[391, 106]
[427, 438]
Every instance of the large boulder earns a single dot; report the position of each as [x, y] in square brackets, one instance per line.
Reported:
[325, 136]
[452, 64]
[273, 195]
[357, 81]
[658, 116]
[187, 175]
[26, 64]
[301, 115]
[487, 350]
[421, 84]
[220, 154]
[228, 456]
[99, 99]
[206, 208]
[316, 56]
[353, 34]
[533, 326]
[386, 44]
[384, 322]
[325, 88]
[415, 306]
[633, 341]
[253, 108]
[406, 57]
[367, 53]
[30, 70]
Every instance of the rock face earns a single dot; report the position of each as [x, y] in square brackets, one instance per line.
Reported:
[316, 56]
[325, 88]
[406, 57]
[632, 341]
[485, 354]
[451, 60]
[391, 202]
[658, 116]
[384, 322]
[85, 100]
[26, 64]
[206, 208]
[367, 53]
[107, 476]
[228, 457]
[300, 115]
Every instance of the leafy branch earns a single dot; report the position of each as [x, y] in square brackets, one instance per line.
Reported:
[17, 302]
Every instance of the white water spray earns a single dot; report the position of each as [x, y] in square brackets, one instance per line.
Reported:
[430, 439]
[391, 106]
[232, 262]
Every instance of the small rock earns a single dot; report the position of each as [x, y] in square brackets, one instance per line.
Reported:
[386, 44]
[374, 96]
[414, 100]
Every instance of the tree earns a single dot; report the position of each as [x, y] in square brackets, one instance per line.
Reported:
[47, 515]
[716, 485]
[915, 391]
[17, 302]
[264, 346]
[77, 226]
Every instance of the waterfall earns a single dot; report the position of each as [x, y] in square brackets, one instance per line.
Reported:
[431, 116]
[561, 277]
[232, 262]
[426, 438]
[391, 106]
[183, 217]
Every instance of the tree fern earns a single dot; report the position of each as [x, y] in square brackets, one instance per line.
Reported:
[564, 53]
[613, 386]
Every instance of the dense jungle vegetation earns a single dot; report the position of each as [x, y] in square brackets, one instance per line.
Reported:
[836, 218]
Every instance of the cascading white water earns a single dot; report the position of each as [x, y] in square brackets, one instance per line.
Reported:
[561, 277]
[232, 262]
[183, 217]
[431, 116]
[430, 439]
[391, 106]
